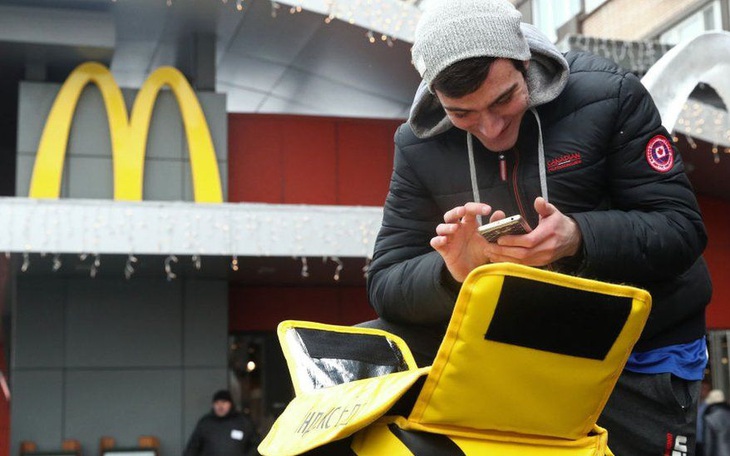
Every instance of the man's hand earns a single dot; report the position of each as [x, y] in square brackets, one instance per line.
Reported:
[458, 241]
[556, 236]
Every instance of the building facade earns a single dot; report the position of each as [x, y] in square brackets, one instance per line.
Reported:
[120, 318]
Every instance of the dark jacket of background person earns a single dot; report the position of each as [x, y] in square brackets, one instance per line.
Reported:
[219, 436]
[717, 429]
[639, 226]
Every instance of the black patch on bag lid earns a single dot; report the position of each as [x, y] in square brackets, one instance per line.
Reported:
[557, 319]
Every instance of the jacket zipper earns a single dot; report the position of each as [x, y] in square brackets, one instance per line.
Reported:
[521, 209]
[502, 167]
[515, 189]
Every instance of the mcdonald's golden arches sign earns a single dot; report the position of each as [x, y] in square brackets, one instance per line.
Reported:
[128, 134]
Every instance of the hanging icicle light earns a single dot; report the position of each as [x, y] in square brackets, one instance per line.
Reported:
[168, 267]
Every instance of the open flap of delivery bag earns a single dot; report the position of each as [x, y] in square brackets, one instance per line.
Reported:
[344, 379]
[528, 362]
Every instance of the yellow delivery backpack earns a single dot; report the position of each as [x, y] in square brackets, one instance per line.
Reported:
[527, 364]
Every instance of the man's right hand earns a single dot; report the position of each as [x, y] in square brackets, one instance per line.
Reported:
[459, 242]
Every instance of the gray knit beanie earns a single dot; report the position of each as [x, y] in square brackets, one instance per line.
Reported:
[454, 30]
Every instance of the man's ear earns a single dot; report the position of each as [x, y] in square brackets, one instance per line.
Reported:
[527, 64]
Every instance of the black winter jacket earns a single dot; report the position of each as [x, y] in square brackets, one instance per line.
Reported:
[231, 435]
[640, 226]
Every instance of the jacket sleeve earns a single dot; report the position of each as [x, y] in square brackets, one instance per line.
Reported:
[709, 438]
[252, 437]
[195, 442]
[405, 277]
[653, 229]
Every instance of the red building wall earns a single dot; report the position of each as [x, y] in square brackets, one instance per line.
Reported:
[716, 214]
[262, 308]
[309, 160]
[286, 159]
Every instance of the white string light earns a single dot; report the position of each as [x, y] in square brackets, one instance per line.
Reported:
[707, 123]
[339, 268]
[366, 267]
[155, 228]
[129, 266]
[95, 266]
[26, 262]
[305, 268]
[197, 262]
[168, 267]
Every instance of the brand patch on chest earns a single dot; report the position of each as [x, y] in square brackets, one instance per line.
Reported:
[564, 161]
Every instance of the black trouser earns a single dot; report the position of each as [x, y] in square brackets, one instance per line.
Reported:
[652, 415]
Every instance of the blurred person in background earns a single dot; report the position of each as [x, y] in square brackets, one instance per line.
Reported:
[705, 389]
[716, 424]
[224, 431]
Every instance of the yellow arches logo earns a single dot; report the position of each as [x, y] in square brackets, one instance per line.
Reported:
[128, 134]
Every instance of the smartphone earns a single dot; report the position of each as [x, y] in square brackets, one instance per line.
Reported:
[508, 225]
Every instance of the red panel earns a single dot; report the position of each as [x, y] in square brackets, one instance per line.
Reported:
[716, 214]
[309, 160]
[354, 306]
[263, 308]
[255, 160]
[310, 172]
[365, 161]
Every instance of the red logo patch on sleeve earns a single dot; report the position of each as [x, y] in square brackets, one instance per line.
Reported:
[659, 154]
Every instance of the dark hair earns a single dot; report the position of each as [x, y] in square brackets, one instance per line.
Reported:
[222, 395]
[465, 76]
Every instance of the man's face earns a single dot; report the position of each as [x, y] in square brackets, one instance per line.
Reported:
[493, 112]
[221, 408]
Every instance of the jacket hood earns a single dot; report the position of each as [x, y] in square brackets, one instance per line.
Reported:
[546, 78]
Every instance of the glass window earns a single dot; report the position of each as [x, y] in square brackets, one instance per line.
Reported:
[549, 15]
[258, 377]
[706, 19]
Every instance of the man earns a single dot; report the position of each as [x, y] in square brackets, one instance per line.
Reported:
[705, 388]
[717, 424]
[223, 431]
[504, 124]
